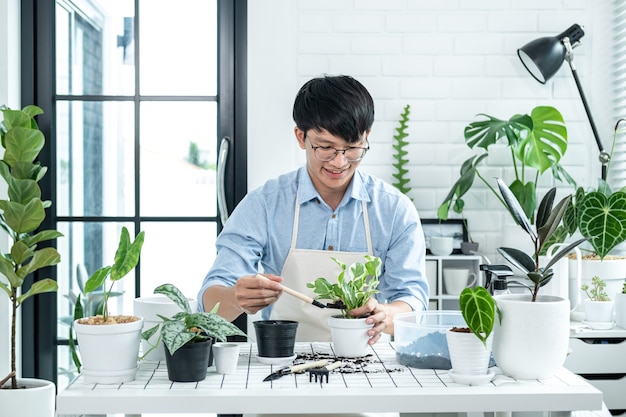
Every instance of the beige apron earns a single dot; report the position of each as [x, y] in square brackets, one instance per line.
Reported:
[303, 266]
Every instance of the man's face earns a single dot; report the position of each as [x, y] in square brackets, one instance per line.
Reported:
[333, 176]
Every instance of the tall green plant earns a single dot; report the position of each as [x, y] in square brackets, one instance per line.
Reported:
[22, 214]
[536, 143]
[400, 155]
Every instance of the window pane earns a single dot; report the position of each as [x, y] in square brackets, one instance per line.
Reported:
[94, 48]
[177, 253]
[179, 49]
[95, 159]
[178, 158]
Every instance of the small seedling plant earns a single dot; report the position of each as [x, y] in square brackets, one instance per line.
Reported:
[355, 285]
[479, 311]
[596, 292]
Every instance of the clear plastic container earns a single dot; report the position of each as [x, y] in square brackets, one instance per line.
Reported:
[420, 338]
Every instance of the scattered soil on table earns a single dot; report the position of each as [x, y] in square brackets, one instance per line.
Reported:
[99, 320]
[352, 365]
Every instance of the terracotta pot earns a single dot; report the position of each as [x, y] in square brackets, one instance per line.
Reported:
[189, 363]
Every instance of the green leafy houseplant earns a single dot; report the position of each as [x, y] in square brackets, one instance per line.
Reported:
[536, 143]
[22, 214]
[355, 285]
[599, 215]
[400, 155]
[479, 311]
[187, 326]
[546, 223]
[126, 259]
[596, 292]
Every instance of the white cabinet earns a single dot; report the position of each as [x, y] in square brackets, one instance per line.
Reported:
[440, 297]
[598, 356]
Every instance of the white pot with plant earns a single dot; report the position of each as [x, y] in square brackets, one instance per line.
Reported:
[470, 346]
[598, 306]
[532, 337]
[188, 336]
[22, 214]
[109, 344]
[355, 285]
[620, 307]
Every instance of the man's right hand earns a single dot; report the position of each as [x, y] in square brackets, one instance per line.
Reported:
[255, 292]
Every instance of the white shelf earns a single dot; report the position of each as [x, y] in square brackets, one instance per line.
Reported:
[438, 299]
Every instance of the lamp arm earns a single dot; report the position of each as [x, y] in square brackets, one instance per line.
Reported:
[604, 156]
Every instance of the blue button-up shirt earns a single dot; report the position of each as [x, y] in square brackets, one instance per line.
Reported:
[260, 228]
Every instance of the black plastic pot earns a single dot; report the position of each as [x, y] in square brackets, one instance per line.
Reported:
[190, 362]
[275, 338]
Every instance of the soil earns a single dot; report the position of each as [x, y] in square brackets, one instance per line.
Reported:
[99, 320]
[594, 257]
[461, 330]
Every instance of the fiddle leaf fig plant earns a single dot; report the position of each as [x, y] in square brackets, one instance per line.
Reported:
[546, 223]
[355, 285]
[479, 311]
[536, 143]
[187, 326]
[22, 214]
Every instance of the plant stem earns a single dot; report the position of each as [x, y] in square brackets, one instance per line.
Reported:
[13, 333]
[6, 378]
[491, 188]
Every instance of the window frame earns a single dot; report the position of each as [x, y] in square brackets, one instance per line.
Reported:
[39, 327]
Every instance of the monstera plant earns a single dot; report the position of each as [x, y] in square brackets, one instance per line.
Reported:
[599, 215]
[536, 143]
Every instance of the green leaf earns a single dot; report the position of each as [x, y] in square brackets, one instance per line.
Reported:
[519, 259]
[23, 218]
[97, 279]
[516, 209]
[174, 294]
[45, 285]
[478, 309]
[41, 258]
[6, 269]
[127, 255]
[602, 220]
[545, 145]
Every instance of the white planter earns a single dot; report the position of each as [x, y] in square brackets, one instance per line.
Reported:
[36, 400]
[109, 353]
[599, 314]
[531, 340]
[620, 310]
[149, 308]
[468, 354]
[349, 336]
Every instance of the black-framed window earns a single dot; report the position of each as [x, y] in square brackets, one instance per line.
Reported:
[137, 96]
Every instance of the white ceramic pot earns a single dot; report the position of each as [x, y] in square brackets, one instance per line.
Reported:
[531, 341]
[349, 336]
[620, 310]
[468, 354]
[149, 308]
[37, 399]
[109, 353]
[599, 313]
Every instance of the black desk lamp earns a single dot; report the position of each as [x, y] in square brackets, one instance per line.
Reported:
[543, 58]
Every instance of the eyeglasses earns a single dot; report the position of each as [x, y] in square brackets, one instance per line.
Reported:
[327, 153]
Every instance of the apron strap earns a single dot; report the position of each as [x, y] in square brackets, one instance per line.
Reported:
[296, 219]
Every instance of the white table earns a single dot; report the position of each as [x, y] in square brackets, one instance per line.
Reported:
[382, 385]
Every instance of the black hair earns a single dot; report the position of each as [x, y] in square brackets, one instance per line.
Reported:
[339, 104]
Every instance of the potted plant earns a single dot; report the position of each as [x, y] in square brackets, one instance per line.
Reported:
[354, 286]
[598, 306]
[470, 346]
[22, 214]
[536, 143]
[531, 339]
[109, 344]
[188, 336]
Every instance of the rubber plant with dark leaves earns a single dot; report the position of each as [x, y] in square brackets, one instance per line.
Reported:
[22, 214]
[546, 223]
[187, 326]
[355, 285]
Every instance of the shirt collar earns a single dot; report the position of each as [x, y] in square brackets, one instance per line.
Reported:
[307, 192]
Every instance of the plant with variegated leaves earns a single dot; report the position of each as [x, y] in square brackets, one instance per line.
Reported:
[187, 326]
[479, 311]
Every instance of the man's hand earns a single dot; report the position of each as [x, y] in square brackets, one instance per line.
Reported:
[381, 316]
[255, 292]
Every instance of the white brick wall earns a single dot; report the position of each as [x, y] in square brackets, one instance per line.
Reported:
[449, 60]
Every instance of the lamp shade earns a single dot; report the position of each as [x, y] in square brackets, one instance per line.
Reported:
[544, 56]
